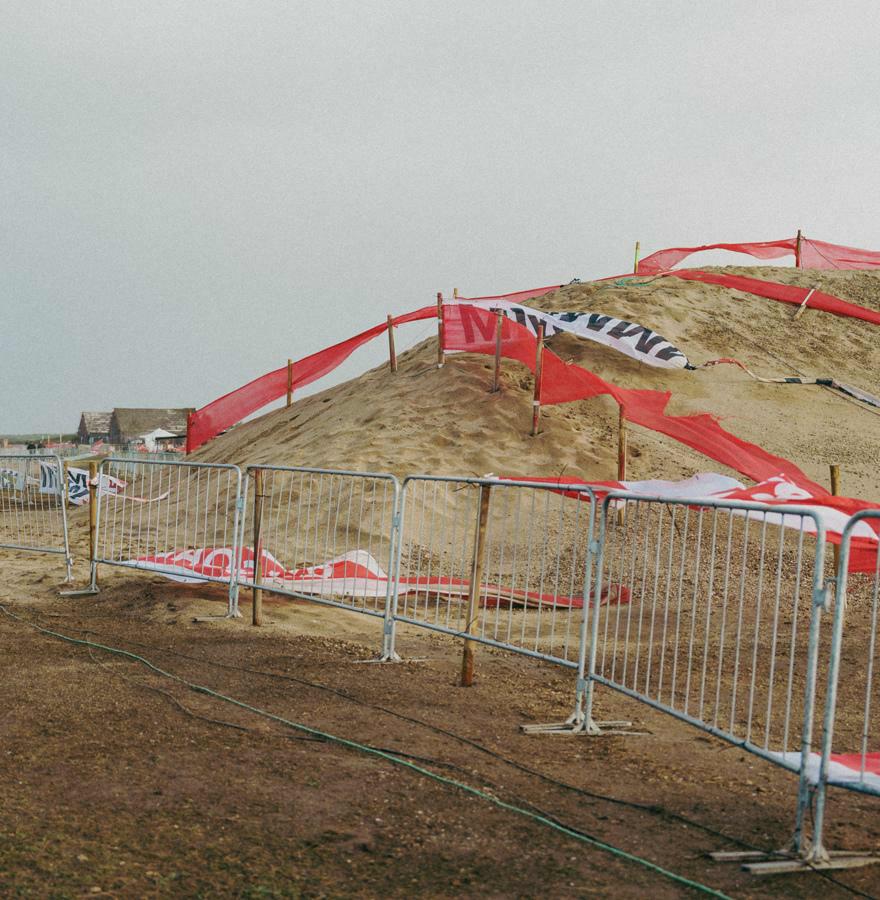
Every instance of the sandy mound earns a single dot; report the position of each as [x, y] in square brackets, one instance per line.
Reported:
[446, 422]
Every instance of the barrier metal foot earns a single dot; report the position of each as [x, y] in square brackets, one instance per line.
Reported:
[757, 862]
[392, 657]
[576, 724]
[81, 593]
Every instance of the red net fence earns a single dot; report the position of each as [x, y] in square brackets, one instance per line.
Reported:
[809, 253]
[469, 328]
[220, 414]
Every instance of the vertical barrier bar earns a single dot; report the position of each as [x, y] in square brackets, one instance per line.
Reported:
[539, 361]
[392, 354]
[467, 656]
[93, 508]
[440, 357]
[257, 611]
[499, 320]
[289, 382]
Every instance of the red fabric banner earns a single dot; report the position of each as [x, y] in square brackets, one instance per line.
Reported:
[472, 329]
[819, 255]
[814, 255]
[218, 415]
[666, 259]
[786, 293]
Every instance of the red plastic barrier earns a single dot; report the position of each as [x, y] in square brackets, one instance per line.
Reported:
[787, 293]
[814, 255]
[819, 255]
[218, 415]
[472, 329]
[666, 259]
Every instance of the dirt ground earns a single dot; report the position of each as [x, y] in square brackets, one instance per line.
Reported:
[120, 782]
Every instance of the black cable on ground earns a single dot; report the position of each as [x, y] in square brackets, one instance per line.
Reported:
[642, 807]
[654, 809]
[549, 821]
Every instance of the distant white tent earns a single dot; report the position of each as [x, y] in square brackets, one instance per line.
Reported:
[149, 439]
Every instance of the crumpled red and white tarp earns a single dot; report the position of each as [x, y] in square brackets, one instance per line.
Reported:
[353, 574]
[778, 491]
[844, 769]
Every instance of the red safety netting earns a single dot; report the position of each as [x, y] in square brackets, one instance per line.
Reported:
[786, 293]
[666, 259]
[218, 415]
[472, 329]
[813, 254]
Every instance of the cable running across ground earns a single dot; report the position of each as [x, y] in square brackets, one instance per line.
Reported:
[388, 757]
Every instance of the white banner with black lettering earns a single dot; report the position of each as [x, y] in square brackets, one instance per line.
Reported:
[77, 483]
[636, 341]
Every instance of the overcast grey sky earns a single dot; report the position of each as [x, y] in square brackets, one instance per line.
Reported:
[191, 192]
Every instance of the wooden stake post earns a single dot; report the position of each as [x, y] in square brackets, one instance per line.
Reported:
[93, 509]
[257, 612]
[467, 654]
[539, 361]
[621, 456]
[835, 491]
[797, 250]
[289, 382]
[392, 353]
[499, 321]
[439, 330]
[636, 260]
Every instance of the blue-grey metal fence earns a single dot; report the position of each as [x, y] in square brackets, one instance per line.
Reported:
[33, 514]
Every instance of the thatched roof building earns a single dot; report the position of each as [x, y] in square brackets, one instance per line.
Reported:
[93, 426]
[130, 425]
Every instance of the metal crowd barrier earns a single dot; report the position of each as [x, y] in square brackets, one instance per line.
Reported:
[504, 563]
[175, 518]
[33, 514]
[722, 624]
[325, 535]
[851, 727]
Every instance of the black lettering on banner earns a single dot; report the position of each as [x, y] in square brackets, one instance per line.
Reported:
[597, 321]
[647, 339]
[668, 353]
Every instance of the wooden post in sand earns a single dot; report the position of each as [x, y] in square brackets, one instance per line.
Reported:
[439, 330]
[496, 382]
[467, 654]
[93, 509]
[797, 249]
[289, 382]
[455, 293]
[392, 353]
[257, 610]
[539, 361]
[835, 491]
[188, 421]
[636, 260]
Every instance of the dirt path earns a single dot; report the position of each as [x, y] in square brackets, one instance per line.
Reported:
[121, 783]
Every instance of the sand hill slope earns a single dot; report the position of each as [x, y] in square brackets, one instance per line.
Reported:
[446, 422]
